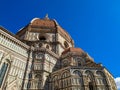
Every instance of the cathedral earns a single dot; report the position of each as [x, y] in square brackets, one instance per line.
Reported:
[42, 56]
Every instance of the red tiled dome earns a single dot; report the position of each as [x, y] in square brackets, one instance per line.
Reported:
[42, 22]
[45, 23]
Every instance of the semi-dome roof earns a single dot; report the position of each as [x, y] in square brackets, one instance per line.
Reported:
[72, 49]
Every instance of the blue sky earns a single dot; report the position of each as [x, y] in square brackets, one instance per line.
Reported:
[93, 24]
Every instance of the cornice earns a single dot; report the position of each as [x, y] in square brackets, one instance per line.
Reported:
[12, 37]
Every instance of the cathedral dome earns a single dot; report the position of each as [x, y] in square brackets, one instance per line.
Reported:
[49, 23]
[45, 24]
[72, 49]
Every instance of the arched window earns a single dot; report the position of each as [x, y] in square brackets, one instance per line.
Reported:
[2, 72]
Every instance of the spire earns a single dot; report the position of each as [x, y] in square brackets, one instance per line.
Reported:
[46, 17]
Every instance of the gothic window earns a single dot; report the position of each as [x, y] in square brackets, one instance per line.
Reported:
[2, 72]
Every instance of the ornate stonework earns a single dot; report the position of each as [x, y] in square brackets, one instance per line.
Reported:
[42, 56]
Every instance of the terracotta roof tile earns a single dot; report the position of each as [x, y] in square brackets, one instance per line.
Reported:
[43, 22]
[72, 49]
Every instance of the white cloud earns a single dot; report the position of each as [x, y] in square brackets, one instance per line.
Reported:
[117, 80]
